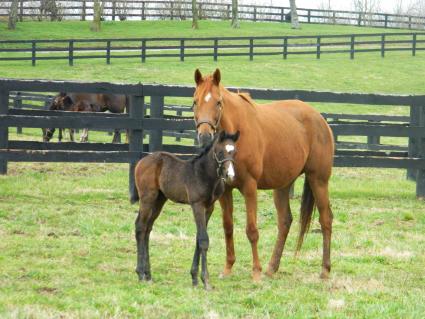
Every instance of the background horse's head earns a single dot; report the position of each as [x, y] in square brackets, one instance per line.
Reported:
[207, 106]
[224, 154]
[61, 102]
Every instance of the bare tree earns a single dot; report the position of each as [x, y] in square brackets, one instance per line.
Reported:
[194, 15]
[13, 15]
[235, 20]
[294, 15]
[366, 9]
[97, 15]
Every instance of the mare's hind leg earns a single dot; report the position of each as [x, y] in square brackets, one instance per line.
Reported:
[148, 211]
[319, 187]
[284, 221]
[196, 256]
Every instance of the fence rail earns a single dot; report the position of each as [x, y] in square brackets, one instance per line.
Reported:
[182, 10]
[213, 47]
[413, 159]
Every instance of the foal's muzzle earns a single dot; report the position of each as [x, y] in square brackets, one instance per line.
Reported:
[205, 138]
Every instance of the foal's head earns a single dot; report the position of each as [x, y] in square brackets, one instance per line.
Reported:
[207, 105]
[224, 150]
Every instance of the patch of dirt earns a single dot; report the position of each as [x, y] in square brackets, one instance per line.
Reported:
[353, 285]
[47, 290]
[336, 303]
[390, 252]
[168, 237]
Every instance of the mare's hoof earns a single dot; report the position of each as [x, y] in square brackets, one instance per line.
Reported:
[225, 273]
[270, 272]
[256, 276]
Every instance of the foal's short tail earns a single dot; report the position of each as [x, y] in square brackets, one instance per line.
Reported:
[307, 205]
[134, 196]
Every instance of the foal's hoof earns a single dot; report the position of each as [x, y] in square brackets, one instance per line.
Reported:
[324, 274]
[256, 276]
[208, 287]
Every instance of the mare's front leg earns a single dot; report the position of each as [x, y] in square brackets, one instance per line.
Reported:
[196, 256]
[249, 191]
[202, 240]
[226, 202]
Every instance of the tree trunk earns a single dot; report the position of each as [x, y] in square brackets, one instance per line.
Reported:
[97, 14]
[294, 16]
[194, 15]
[13, 15]
[235, 20]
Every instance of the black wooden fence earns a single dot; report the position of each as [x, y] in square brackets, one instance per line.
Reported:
[182, 10]
[136, 123]
[214, 47]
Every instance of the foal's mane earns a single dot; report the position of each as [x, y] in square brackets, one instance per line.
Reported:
[247, 97]
[204, 151]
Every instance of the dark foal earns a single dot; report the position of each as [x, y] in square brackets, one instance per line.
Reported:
[60, 103]
[198, 182]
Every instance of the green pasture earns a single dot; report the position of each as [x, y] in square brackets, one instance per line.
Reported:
[67, 247]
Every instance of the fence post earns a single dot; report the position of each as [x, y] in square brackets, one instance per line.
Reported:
[372, 139]
[143, 51]
[171, 10]
[108, 52]
[308, 16]
[414, 44]
[383, 46]
[83, 11]
[318, 48]
[71, 53]
[251, 49]
[282, 15]
[179, 113]
[21, 10]
[413, 143]
[33, 53]
[420, 176]
[386, 21]
[359, 20]
[182, 50]
[352, 48]
[157, 111]
[143, 11]
[410, 22]
[113, 10]
[255, 14]
[4, 131]
[17, 104]
[135, 143]
[215, 49]
[285, 47]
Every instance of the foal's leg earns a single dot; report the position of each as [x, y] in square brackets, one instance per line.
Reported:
[143, 220]
[319, 186]
[249, 191]
[195, 263]
[284, 221]
[202, 240]
[226, 202]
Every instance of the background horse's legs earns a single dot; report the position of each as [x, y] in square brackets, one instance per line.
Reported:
[71, 134]
[195, 263]
[249, 191]
[226, 202]
[284, 221]
[84, 135]
[319, 186]
[117, 136]
[199, 212]
[60, 135]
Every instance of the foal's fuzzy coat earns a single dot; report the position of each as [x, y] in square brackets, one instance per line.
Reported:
[198, 182]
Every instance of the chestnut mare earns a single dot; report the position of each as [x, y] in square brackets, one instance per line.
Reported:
[278, 142]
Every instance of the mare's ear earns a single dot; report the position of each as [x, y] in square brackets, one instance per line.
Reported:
[62, 94]
[235, 136]
[198, 77]
[217, 76]
[222, 136]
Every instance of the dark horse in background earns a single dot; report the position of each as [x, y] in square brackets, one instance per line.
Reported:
[85, 102]
[278, 142]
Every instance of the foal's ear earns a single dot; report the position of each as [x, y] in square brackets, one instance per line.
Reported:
[235, 136]
[67, 102]
[217, 76]
[198, 77]
[222, 136]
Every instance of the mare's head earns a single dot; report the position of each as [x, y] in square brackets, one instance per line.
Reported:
[61, 102]
[224, 150]
[207, 106]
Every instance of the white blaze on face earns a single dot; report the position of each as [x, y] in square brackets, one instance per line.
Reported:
[231, 171]
[207, 97]
[229, 148]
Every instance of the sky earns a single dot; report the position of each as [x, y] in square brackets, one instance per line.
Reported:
[387, 6]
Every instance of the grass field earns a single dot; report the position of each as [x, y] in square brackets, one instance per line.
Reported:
[67, 248]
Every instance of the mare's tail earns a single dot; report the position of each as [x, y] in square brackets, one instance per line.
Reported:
[307, 206]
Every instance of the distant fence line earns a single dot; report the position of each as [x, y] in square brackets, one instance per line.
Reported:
[214, 47]
[157, 122]
[181, 10]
